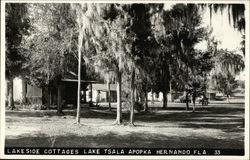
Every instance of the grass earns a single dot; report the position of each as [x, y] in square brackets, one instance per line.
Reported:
[214, 126]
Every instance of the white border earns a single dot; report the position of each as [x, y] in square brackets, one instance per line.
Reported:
[2, 98]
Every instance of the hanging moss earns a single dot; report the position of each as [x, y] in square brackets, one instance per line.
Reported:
[235, 13]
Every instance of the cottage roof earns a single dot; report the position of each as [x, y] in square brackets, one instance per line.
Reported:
[72, 77]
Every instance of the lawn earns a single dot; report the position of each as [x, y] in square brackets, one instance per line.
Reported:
[214, 126]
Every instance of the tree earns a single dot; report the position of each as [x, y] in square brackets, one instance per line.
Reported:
[190, 35]
[17, 26]
[162, 52]
[181, 31]
[225, 83]
[142, 42]
[236, 16]
[104, 35]
[115, 41]
[235, 13]
[47, 47]
[203, 64]
[227, 65]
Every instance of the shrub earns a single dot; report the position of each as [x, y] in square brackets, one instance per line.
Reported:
[37, 107]
[139, 106]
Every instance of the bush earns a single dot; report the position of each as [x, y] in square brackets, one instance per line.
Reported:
[34, 100]
[37, 107]
[126, 106]
[139, 106]
[17, 102]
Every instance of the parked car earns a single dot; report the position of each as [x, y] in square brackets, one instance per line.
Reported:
[203, 100]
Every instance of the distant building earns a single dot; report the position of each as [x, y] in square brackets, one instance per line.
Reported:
[211, 94]
[103, 88]
[159, 96]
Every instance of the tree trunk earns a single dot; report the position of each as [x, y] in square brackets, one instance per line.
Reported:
[7, 92]
[119, 102]
[170, 92]
[187, 99]
[78, 113]
[47, 97]
[165, 99]
[132, 87]
[59, 99]
[109, 94]
[193, 107]
[146, 101]
[186, 86]
[11, 104]
[141, 97]
[228, 101]
[193, 98]
[136, 94]
[152, 96]
[24, 91]
[50, 98]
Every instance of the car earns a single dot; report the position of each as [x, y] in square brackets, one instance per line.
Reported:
[203, 100]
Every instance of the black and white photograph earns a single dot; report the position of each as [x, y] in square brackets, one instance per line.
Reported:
[125, 79]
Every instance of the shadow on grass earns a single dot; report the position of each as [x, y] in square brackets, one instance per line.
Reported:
[134, 139]
[228, 119]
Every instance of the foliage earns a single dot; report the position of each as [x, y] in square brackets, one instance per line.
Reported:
[228, 62]
[103, 40]
[139, 106]
[48, 47]
[141, 46]
[225, 83]
[235, 13]
[227, 66]
[17, 25]
[177, 31]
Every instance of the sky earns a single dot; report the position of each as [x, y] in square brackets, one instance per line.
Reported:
[225, 33]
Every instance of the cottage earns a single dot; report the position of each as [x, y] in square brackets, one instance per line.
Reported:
[103, 88]
[21, 90]
[66, 87]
